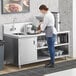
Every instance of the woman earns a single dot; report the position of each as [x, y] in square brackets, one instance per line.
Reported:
[48, 27]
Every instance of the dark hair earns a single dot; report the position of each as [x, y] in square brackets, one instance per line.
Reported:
[43, 7]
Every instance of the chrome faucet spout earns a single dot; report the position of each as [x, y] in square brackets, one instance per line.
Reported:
[13, 27]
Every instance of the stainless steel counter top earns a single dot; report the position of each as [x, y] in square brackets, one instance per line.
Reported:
[28, 36]
[23, 36]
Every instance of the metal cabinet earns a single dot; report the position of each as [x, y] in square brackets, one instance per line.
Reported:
[20, 51]
[10, 55]
[27, 50]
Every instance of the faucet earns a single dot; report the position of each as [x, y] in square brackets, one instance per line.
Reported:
[13, 27]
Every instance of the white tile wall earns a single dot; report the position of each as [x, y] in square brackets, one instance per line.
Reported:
[22, 17]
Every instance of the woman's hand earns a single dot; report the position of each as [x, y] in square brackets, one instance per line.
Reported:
[38, 31]
[40, 23]
[39, 28]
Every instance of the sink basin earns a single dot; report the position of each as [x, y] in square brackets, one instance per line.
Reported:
[18, 33]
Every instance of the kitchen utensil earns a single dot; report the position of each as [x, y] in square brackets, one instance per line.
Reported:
[29, 27]
[58, 40]
[56, 53]
[60, 52]
[40, 18]
[39, 44]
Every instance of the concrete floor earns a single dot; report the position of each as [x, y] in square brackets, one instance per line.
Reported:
[11, 68]
[71, 72]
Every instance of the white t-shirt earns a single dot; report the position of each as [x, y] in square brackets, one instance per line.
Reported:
[49, 21]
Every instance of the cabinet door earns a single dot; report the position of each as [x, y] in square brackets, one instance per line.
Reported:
[27, 50]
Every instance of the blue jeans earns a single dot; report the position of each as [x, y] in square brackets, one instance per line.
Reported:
[51, 48]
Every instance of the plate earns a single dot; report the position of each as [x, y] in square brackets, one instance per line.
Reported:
[13, 7]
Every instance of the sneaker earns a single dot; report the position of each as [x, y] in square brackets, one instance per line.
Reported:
[49, 65]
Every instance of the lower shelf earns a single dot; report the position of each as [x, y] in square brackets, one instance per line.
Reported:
[48, 58]
[56, 45]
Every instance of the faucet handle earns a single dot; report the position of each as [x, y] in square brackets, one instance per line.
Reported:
[14, 19]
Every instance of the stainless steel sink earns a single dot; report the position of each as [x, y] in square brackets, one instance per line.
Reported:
[18, 33]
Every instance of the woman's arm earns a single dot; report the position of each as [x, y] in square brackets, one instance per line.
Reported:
[43, 25]
[39, 29]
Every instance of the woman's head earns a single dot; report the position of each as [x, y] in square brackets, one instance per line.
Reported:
[43, 9]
